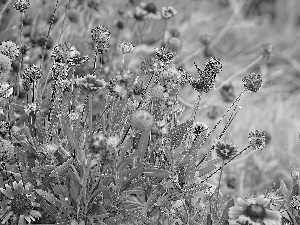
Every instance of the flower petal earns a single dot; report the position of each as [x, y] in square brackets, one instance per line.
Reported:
[261, 200]
[271, 222]
[9, 189]
[22, 220]
[9, 214]
[241, 202]
[8, 194]
[35, 213]
[28, 218]
[245, 219]
[235, 211]
[273, 215]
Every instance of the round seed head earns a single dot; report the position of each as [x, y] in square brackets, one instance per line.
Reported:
[22, 5]
[252, 82]
[10, 49]
[257, 139]
[32, 73]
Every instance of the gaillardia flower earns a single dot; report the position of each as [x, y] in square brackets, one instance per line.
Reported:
[252, 82]
[18, 203]
[254, 213]
[225, 150]
[257, 139]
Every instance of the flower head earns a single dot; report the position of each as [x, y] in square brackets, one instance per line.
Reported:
[90, 84]
[174, 45]
[150, 65]
[168, 12]
[5, 90]
[252, 82]
[125, 47]
[255, 212]
[59, 71]
[142, 120]
[19, 202]
[164, 56]
[22, 5]
[4, 127]
[10, 49]
[5, 64]
[225, 150]
[25, 49]
[100, 37]
[257, 139]
[32, 73]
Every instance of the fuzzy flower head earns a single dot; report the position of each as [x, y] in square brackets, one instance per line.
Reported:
[68, 54]
[59, 71]
[125, 47]
[208, 76]
[252, 82]
[156, 93]
[30, 107]
[32, 73]
[5, 90]
[257, 139]
[164, 56]
[5, 64]
[18, 203]
[10, 49]
[174, 45]
[4, 127]
[113, 141]
[168, 12]
[90, 84]
[225, 150]
[97, 143]
[255, 212]
[150, 65]
[100, 37]
[22, 5]
[142, 120]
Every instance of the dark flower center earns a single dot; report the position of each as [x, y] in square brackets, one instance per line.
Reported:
[20, 204]
[255, 211]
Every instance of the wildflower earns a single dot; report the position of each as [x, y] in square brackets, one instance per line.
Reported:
[90, 84]
[67, 53]
[125, 47]
[73, 16]
[31, 107]
[163, 56]
[252, 82]
[139, 87]
[254, 212]
[257, 139]
[59, 71]
[267, 50]
[200, 129]
[19, 203]
[10, 49]
[22, 5]
[25, 49]
[205, 39]
[207, 77]
[150, 65]
[32, 73]
[113, 141]
[6, 148]
[227, 92]
[295, 202]
[97, 143]
[5, 90]
[142, 120]
[100, 37]
[168, 12]
[174, 44]
[225, 150]
[156, 93]
[4, 127]
[5, 64]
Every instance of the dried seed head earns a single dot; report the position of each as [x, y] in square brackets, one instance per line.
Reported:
[168, 12]
[125, 47]
[157, 93]
[252, 82]
[32, 73]
[25, 49]
[10, 49]
[257, 139]
[22, 5]
[100, 37]
[142, 120]
[150, 65]
[164, 56]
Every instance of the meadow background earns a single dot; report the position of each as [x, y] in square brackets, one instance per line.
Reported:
[238, 29]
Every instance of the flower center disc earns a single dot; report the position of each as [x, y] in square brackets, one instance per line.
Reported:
[20, 204]
[255, 211]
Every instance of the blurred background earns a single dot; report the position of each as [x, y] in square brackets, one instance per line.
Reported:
[234, 31]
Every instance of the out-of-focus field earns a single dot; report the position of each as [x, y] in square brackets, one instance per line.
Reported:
[238, 28]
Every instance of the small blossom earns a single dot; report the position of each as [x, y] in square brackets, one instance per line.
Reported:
[257, 139]
[25, 49]
[142, 120]
[113, 141]
[163, 56]
[22, 5]
[125, 47]
[59, 71]
[5, 90]
[225, 150]
[156, 93]
[5, 64]
[168, 12]
[10, 49]
[255, 212]
[252, 82]
[150, 65]
[100, 37]
[32, 73]
[174, 45]
[90, 84]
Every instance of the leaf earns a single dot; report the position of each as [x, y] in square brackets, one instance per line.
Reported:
[143, 145]
[177, 133]
[122, 165]
[139, 217]
[295, 190]
[62, 168]
[208, 167]
[101, 189]
[46, 195]
[208, 220]
[134, 175]
[225, 217]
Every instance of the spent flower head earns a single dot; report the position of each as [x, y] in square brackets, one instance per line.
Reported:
[32, 73]
[252, 82]
[142, 120]
[255, 212]
[100, 36]
[125, 47]
[168, 12]
[10, 49]
[5, 90]
[90, 84]
[22, 5]
[164, 56]
[257, 139]
[224, 149]
[150, 65]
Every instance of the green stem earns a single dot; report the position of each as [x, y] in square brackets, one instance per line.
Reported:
[218, 191]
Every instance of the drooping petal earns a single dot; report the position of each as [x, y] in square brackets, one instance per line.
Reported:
[22, 220]
[28, 218]
[241, 202]
[273, 215]
[9, 214]
[245, 219]
[8, 188]
[261, 200]
[35, 213]
[235, 211]
[7, 193]
[272, 222]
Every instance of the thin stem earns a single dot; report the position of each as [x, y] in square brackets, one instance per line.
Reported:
[90, 111]
[21, 57]
[219, 185]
